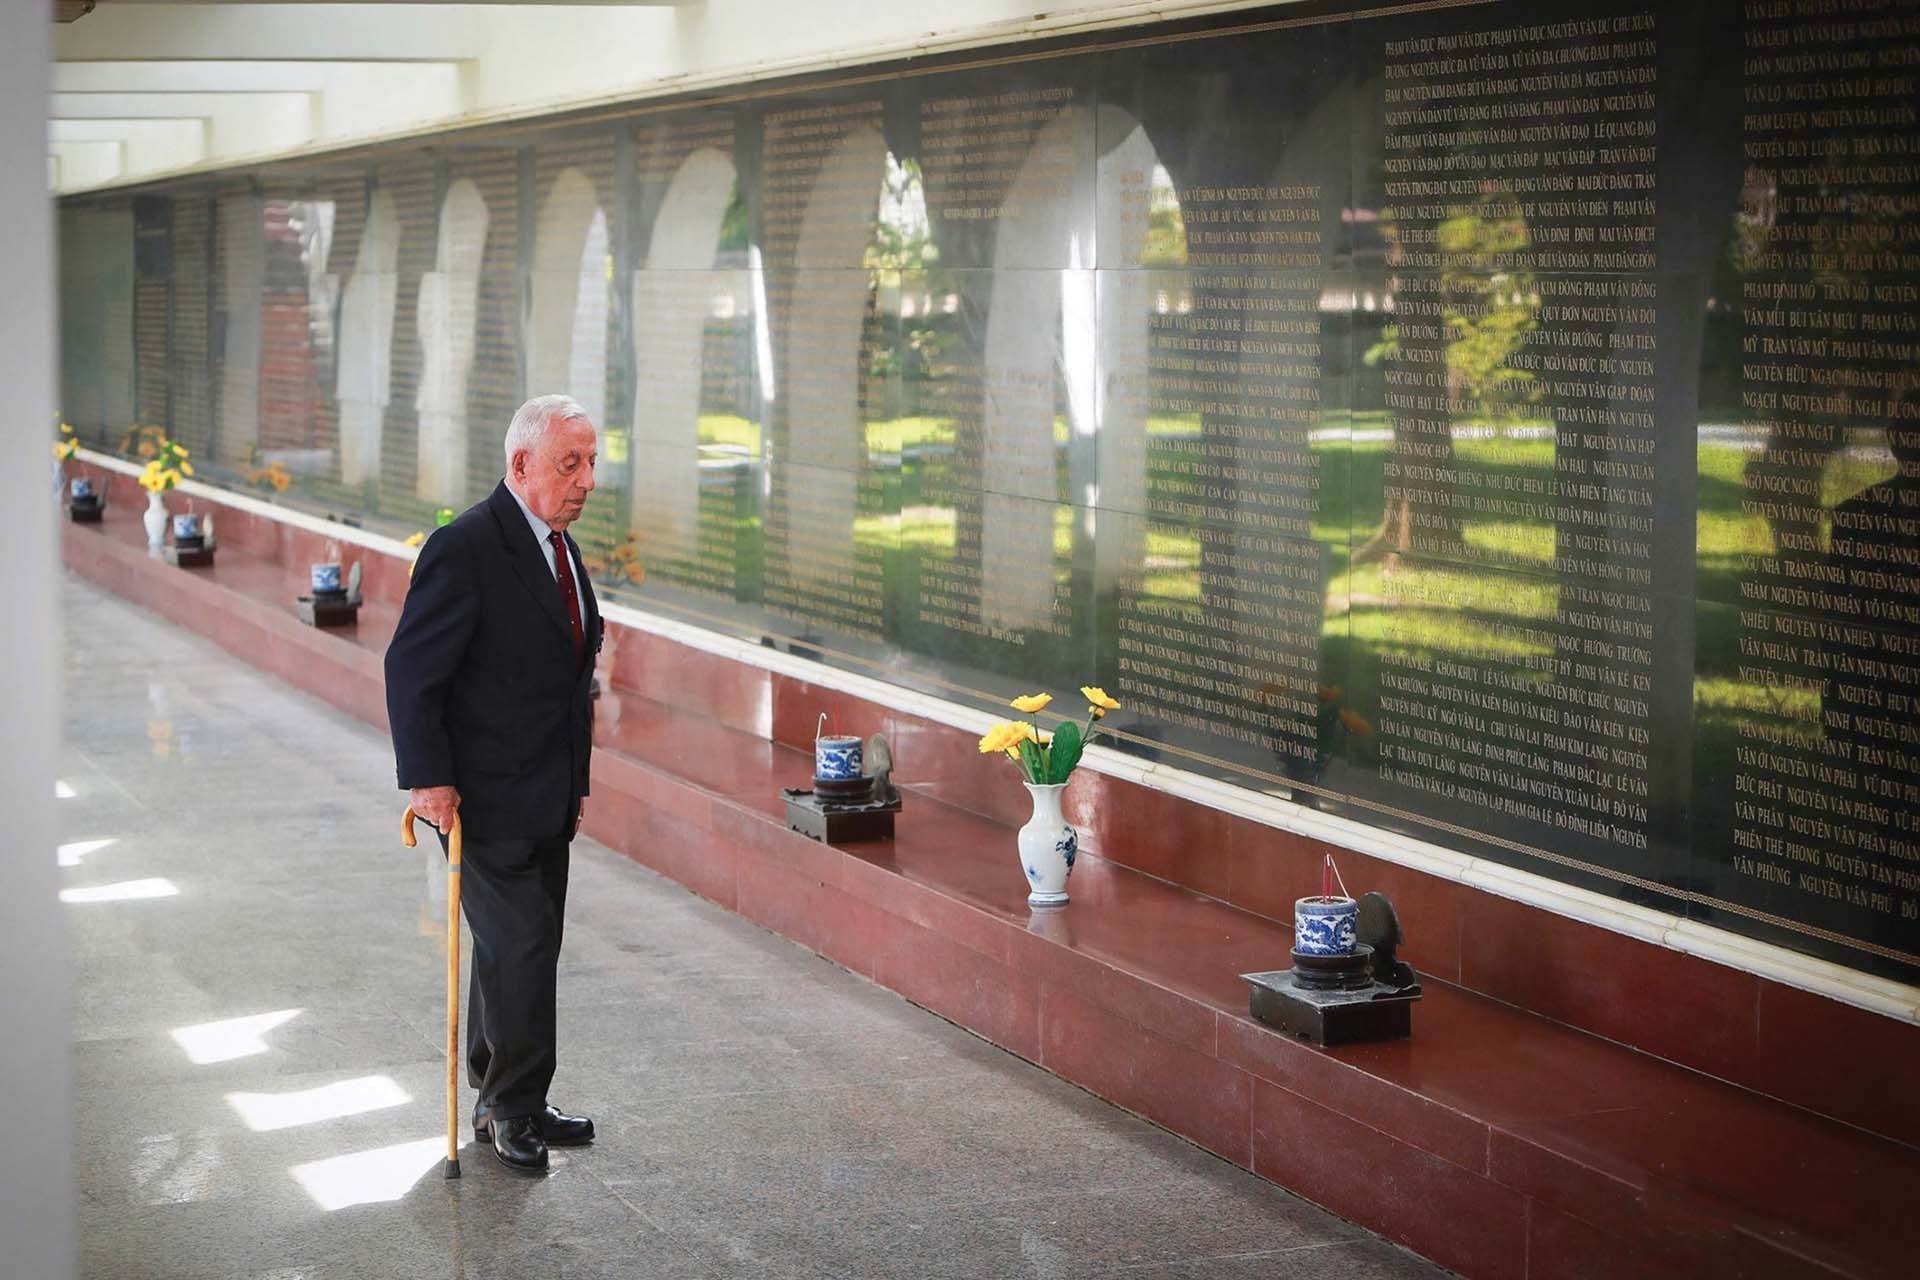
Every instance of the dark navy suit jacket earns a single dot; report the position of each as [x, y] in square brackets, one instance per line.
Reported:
[484, 692]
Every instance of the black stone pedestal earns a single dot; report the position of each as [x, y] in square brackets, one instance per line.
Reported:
[329, 610]
[837, 821]
[87, 510]
[190, 557]
[1330, 1017]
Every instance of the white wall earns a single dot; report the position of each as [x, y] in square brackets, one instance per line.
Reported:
[36, 1175]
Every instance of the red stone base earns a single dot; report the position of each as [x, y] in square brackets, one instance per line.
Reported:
[1496, 1141]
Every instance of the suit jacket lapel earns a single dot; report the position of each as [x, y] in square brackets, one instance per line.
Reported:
[529, 563]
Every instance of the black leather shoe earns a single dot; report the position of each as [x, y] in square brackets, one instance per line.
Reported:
[563, 1130]
[518, 1143]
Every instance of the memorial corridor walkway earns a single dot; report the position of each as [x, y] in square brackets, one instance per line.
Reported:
[258, 1020]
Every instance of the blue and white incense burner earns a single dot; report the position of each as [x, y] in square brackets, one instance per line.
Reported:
[80, 487]
[1324, 926]
[186, 528]
[325, 579]
[836, 759]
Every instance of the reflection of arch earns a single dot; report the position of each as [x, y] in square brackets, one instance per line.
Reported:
[366, 341]
[567, 327]
[672, 299]
[243, 268]
[824, 431]
[449, 310]
[1058, 318]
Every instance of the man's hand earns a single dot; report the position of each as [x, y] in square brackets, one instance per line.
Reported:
[436, 804]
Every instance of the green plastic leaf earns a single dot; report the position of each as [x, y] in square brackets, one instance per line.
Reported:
[1030, 757]
[1066, 752]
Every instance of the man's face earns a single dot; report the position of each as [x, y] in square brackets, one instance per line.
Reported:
[556, 475]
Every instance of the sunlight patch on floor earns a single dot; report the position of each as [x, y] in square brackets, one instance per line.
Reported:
[265, 1112]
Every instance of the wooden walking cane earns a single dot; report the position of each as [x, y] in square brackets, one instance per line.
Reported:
[453, 983]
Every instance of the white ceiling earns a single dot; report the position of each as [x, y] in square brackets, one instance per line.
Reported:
[150, 88]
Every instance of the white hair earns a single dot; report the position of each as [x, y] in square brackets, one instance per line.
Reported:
[532, 420]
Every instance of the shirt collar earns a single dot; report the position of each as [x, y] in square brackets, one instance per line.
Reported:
[541, 529]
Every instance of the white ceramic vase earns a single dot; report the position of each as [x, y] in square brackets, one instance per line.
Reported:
[1047, 847]
[155, 518]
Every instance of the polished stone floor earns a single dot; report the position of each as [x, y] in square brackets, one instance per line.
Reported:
[257, 1069]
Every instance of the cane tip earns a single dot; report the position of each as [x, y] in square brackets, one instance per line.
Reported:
[453, 1170]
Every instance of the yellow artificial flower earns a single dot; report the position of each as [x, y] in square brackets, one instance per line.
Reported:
[1097, 696]
[1032, 702]
[415, 538]
[999, 738]
[186, 467]
[181, 450]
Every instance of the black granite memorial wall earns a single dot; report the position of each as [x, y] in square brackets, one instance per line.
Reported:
[1493, 421]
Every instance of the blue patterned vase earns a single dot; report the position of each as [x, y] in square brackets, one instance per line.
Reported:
[1047, 847]
[1324, 926]
[325, 579]
[836, 759]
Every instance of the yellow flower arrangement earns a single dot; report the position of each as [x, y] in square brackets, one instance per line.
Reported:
[1046, 759]
[167, 465]
[617, 560]
[67, 445]
[274, 476]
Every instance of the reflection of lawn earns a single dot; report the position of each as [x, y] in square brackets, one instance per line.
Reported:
[730, 429]
[1478, 613]
[936, 531]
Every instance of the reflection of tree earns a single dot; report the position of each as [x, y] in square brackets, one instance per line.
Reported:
[1487, 310]
[1852, 226]
[902, 245]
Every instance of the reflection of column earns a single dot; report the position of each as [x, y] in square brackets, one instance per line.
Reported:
[671, 304]
[1039, 330]
[1123, 390]
[567, 324]
[587, 365]
[243, 265]
[449, 307]
[366, 342]
[825, 317]
[1017, 447]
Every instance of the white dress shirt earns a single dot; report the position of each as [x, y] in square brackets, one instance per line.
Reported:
[541, 531]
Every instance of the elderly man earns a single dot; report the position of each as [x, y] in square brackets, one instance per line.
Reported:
[488, 696]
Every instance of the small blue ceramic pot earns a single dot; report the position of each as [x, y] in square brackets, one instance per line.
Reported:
[185, 527]
[1324, 926]
[325, 577]
[80, 487]
[836, 759]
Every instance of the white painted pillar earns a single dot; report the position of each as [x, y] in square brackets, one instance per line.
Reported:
[36, 1180]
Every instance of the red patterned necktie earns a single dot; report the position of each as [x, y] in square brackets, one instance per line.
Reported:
[563, 569]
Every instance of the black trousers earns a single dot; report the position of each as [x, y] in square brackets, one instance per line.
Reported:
[514, 893]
